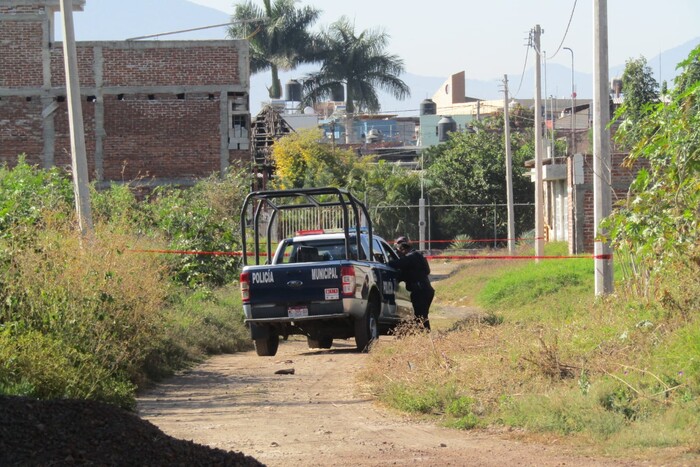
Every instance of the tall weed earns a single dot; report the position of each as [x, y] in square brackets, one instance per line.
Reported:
[91, 294]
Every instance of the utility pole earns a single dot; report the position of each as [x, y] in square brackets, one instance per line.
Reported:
[421, 206]
[571, 166]
[602, 206]
[539, 195]
[509, 169]
[75, 120]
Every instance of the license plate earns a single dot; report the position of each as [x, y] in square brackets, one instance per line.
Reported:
[297, 311]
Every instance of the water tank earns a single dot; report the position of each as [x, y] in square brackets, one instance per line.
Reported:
[428, 107]
[293, 90]
[445, 126]
[338, 93]
[373, 136]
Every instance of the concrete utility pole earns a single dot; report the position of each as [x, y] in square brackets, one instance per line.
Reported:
[571, 185]
[75, 120]
[601, 149]
[421, 207]
[509, 170]
[539, 194]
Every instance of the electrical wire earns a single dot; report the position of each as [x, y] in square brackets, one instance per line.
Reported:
[522, 74]
[571, 17]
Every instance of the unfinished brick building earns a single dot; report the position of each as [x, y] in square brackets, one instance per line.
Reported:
[155, 112]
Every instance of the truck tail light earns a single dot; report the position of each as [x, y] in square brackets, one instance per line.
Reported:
[348, 277]
[245, 286]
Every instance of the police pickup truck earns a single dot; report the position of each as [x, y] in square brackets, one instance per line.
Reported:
[324, 285]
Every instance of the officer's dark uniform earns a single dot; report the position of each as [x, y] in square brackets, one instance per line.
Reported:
[414, 270]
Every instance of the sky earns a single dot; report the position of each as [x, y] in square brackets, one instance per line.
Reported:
[488, 38]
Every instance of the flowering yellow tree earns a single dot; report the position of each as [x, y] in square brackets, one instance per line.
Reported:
[304, 160]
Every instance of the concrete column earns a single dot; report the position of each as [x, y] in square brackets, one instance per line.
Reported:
[97, 69]
[225, 122]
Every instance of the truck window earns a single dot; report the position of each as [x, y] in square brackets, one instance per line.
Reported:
[378, 251]
[306, 254]
[319, 250]
[287, 254]
[388, 251]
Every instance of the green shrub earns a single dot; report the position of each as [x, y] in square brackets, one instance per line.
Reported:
[463, 242]
[32, 198]
[566, 412]
[119, 208]
[204, 218]
[422, 399]
[37, 365]
[208, 322]
[461, 413]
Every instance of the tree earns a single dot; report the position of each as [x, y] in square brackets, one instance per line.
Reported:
[469, 170]
[278, 40]
[640, 91]
[658, 224]
[391, 194]
[389, 191]
[301, 160]
[359, 62]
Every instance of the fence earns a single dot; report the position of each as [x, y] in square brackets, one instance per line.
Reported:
[482, 225]
[485, 225]
[292, 221]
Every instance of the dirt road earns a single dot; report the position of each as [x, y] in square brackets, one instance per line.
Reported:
[320, 416]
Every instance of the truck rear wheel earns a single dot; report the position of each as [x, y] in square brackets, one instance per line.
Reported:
[267, 346]
[367, 328]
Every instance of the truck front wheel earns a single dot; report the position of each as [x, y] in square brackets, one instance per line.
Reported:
[267, 346]
[367, 328]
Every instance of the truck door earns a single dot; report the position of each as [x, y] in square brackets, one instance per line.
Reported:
[404, 308]
[387, 278]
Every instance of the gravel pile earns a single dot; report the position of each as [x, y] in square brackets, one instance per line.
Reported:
[78, 432]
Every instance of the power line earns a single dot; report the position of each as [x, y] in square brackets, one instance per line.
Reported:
[194, 29]
[573, 9]
[522, 74]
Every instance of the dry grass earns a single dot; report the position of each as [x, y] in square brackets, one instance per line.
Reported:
[608, 373]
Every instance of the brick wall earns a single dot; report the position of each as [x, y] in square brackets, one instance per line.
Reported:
[21, 129]
[622, 177]
[21, 54]
[85, 58]
[171, 63]
[62, 152]
[164, 137]
[151, 109]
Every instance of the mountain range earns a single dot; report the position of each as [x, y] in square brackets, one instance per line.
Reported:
[111, 20]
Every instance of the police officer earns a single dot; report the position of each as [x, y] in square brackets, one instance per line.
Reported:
[414, 271]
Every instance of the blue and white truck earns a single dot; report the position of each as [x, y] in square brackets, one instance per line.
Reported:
[321, 284]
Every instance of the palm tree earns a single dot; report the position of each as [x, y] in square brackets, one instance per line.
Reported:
[358, 62]
[279, 39]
